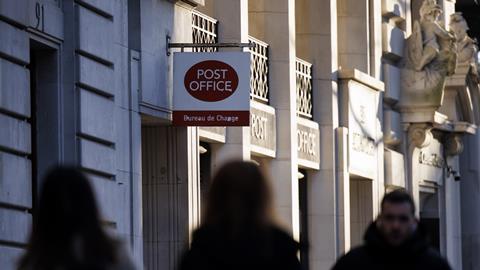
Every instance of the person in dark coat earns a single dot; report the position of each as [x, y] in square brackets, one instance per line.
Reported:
[238, 231]
[68, 232]
[394, 241]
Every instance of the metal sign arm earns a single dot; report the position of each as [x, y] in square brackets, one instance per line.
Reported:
[182, 46]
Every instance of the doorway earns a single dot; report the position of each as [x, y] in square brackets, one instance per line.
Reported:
[361, 208]
[430, 217]
[303, 214]
[170, 192]
[205, 152]
[157, 211]
[44, 107]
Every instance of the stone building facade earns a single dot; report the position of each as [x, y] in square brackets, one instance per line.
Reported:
[89, 82]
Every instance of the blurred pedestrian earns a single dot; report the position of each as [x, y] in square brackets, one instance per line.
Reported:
[67, 232]
[238, 231]
[394, 241]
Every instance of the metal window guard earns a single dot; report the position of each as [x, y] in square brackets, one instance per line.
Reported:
[259, 70]
[303, 70]
[204, 30]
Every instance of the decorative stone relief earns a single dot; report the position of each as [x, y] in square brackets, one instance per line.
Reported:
[360, 111]
[429, 58]
[465, 46]
[467, 50]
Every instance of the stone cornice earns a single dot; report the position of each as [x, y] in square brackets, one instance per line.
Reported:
[460, 127]
[363, 78]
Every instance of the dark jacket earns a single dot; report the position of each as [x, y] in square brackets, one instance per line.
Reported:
[376, 254]
[269, 249]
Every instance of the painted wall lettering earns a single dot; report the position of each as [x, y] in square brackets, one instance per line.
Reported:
[434, 160]
[306, 142]
[362, 143]
[40, 17]
[258, 126]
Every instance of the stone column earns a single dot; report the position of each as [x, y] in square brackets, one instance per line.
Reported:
[328, 223]
[233, 28]
[353, 35]
[343, 192]
[417, 136]
[279, 31]
[375, 31]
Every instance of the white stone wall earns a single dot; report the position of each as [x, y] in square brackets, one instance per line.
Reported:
[15, 139]
[94, 123]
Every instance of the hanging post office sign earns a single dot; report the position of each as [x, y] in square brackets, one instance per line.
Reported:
[211, 89]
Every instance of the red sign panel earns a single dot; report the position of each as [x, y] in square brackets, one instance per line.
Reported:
[211, 81]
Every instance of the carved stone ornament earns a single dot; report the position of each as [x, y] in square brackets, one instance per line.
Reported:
[467, 50]
[420, 135]
[429, 58]
[454, 145]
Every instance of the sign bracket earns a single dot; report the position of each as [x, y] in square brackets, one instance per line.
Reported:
[182, 46]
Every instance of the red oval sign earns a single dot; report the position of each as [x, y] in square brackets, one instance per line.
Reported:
[211, 81]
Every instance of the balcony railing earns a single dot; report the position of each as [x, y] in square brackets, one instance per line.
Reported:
[303, 71]
[259, 70]
[204, 30]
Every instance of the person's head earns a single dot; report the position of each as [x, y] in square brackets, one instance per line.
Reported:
[459, 26]
[67, 229]
[430, 10]
[397, 220]
[239, 197]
